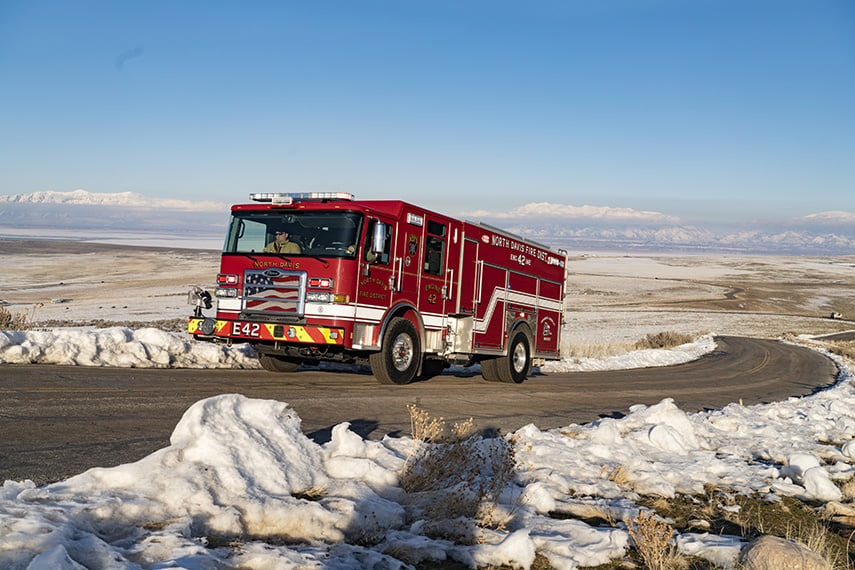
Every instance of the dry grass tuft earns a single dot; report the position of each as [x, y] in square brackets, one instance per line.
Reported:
[844, 348]
[453, 472]
[722, 512]
[601, 350]
[665, 339]
[651, 536]
[618, 475]
[16, 322]
[313, 494]
[817, 538]
[791, 519]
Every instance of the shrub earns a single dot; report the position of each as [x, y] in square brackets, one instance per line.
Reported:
[844, 348]
[16, 322]
[596, 350]
[455, 472]
[651, 536]
[606, 349]
[666, 339]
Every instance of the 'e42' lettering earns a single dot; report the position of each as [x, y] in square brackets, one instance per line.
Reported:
[245, 329]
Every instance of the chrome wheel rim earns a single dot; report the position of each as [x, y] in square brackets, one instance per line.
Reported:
[519, 359]
[402, 352]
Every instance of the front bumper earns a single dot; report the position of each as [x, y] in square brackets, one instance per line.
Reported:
[253, 331]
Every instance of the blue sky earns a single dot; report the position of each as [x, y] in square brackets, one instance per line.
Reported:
[706, 110]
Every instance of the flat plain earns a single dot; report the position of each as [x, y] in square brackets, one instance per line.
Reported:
[610, 297]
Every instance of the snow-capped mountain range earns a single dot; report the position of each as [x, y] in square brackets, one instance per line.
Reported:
[125, 211]
[559, 225]
[119, 199]
[594, 227]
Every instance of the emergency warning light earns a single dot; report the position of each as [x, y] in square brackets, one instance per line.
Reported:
[291, 197]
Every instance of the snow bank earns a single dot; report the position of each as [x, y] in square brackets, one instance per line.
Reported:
[636, 359]
[120, 347]
[154, 348]
[240, 485]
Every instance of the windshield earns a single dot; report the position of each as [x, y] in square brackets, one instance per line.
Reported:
[315, 234]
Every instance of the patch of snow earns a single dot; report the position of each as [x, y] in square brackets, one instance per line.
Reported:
[240, 469]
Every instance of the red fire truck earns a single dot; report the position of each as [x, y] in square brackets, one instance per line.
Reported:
[382, 282]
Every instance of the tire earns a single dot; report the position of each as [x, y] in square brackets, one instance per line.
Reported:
[279, 364]
[400, 353]
[517, 364]
[488, 370]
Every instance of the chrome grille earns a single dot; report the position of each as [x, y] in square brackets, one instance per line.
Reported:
[274, 292]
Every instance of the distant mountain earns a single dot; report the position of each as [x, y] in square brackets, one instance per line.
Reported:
[590, 227]
[565, 211]
[564, 226]
[119, 199]
[119, 211]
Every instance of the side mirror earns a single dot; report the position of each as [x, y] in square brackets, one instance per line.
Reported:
[378, 240]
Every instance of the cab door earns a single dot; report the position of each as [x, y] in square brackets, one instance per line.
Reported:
[407, 259]
[375, 282]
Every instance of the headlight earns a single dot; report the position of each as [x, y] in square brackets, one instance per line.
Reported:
[318, 297]
[226, 292]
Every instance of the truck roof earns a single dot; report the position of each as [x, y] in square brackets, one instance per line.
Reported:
[394, 208]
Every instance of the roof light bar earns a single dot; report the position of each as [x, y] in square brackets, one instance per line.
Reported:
[291, 197]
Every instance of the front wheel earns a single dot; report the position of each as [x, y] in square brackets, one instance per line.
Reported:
[400, 353]
[273, 363]
[516, 365]
[489, 371]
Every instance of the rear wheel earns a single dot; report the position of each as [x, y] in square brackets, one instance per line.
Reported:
[400, 352]
[517, 364]
[273, 363]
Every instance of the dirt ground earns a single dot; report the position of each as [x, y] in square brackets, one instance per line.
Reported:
[81, 282]
[610, 297]
[624, 297]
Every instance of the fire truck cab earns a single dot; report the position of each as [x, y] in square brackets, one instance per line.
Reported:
[383, 282]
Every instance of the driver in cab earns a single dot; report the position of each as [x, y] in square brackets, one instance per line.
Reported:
[282, 244]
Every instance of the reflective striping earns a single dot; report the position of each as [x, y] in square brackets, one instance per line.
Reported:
[368, 314]
[264, 331]
[434, 321]
[226, 304]
[502, 295]
[301, 334]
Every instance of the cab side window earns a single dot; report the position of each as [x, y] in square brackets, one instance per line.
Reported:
[434, 260]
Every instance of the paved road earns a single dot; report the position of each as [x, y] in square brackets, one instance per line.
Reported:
[839, 336]
[57, 421]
